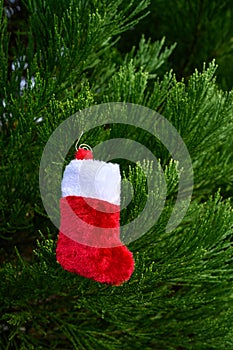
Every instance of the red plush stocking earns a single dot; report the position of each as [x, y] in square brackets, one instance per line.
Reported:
[89, 238]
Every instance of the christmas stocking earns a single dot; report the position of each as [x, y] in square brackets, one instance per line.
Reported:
[89, 238]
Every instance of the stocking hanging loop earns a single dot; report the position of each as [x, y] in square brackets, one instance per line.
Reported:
[77, 142]
[85, 146]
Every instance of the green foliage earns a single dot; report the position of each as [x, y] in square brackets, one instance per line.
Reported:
[199, 110]
[180, 295]
[69, 37]
[201, 29]
[149, 56]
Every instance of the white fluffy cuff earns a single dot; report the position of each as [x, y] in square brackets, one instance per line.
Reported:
[92, 179]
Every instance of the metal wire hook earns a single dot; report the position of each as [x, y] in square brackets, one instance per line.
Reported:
[77, 142]
[83, 145]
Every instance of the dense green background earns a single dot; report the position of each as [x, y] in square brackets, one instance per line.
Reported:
[202, 30]
[72, 55]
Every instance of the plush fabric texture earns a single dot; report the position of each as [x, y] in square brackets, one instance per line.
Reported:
[90, 221]
[114, 264]
[89, 238]
[92, 179]
[83, 154]
[106, 265]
